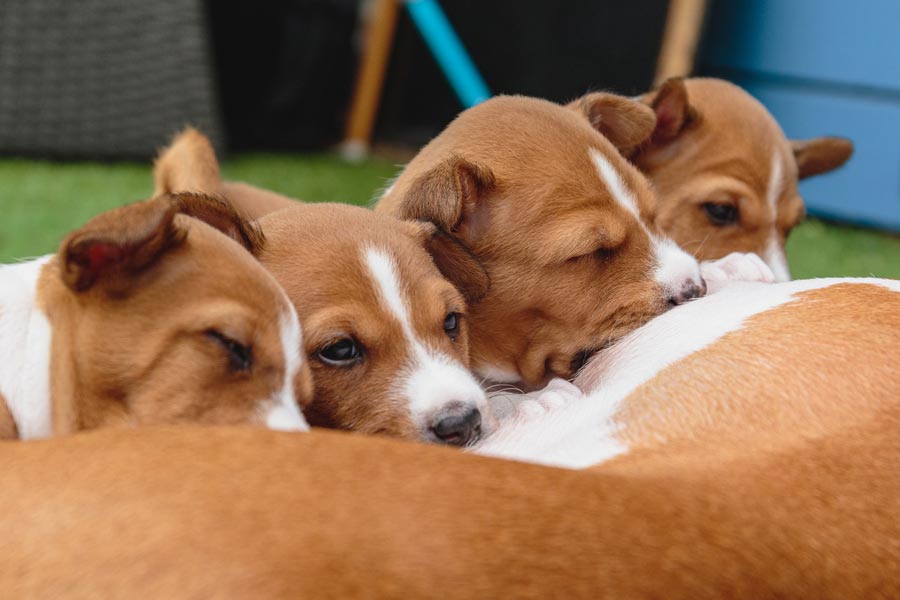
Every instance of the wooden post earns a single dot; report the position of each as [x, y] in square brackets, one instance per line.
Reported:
[680, 39]
[376, 52]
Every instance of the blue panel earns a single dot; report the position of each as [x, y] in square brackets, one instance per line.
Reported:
[867, 189]
[855, 43]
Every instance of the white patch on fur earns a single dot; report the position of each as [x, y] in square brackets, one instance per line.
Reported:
[614, 183]
[432, 379]
[584, 431]
[282, 411]
[774, 253]
[777, 260]
[25, 335]
[675, 268]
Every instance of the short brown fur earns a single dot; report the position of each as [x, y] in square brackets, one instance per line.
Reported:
[569, 268]
[131, 343]
[714, 143]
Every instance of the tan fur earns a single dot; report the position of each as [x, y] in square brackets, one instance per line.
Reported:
[569, 269]
[760, 491]
[189, 163]
[315, 251]
[130, 344]
[715, 143]
[806, 370]
[182, 513]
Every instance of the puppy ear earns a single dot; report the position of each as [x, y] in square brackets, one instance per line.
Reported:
[820, 155]
[672, 108]
[187, 164]
[119, 243]
[455, 262]
[221, 215]
[450, 195]
[623, 121]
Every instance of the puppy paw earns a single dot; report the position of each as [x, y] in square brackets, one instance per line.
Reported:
[557, 394]
[737, 266]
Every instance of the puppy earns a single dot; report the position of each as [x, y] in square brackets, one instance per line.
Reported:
[554, 217]
[385, 333]
[145, 316]
[725, 173]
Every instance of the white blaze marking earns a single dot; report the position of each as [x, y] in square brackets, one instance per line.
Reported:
[584, 432]
[25, 335]
[433, 379]
[616, 186]
[282, 410]
[675, 268]
[774, 253]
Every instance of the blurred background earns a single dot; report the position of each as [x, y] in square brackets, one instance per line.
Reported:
[325, 99]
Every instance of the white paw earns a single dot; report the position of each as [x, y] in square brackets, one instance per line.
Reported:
[737, 266]
[557, 394]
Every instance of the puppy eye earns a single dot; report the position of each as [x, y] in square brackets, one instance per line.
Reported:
[721, 215]
[341, 353]
[605, 254]
[451, 325]
[240, 357]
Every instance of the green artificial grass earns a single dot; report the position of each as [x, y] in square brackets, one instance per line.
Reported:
[41, 201]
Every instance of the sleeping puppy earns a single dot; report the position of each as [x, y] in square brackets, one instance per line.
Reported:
[386, 334]
[554, 217]
[150, 313]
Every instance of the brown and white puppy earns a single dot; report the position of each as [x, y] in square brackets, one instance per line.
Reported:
[725, 173]
[148, 315]
[543, 200]
[385, 333]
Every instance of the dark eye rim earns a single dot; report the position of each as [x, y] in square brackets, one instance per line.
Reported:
[357, 357]
[732, 216]
[455, 319]
[240, 356]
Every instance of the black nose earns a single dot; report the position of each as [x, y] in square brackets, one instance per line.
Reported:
[460, 429]
[689, 291]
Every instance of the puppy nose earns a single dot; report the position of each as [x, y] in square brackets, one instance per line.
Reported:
[689, 291]
[459, 429]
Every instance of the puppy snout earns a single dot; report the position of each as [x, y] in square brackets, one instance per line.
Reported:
[458, 428]
[689, 291]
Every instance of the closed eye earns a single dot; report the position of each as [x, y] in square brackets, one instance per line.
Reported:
[240, 356]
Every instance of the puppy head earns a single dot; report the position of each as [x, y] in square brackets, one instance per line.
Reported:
[725, 173]
[554, 216]
[386, 334]
[173, 320]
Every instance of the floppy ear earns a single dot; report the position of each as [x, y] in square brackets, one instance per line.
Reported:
[450, 195]
[221, 215]
[187, 164]
[623, 121]
[672, 108]
[119, 243]
[455, 262]
[820, 155]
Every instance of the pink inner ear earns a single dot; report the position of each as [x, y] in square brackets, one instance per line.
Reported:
[100, 255]
[668, 115]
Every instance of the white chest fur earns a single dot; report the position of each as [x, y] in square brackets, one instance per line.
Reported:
[25, 349]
